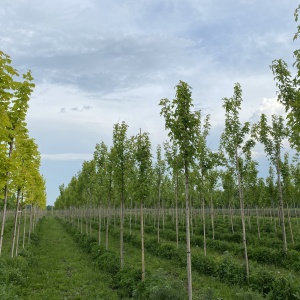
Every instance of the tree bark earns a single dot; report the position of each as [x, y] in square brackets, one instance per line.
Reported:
[188, 239]
[142, 241]
[242, 216]
[18, 233]
[15, 224]
[257, 221]
[176, 210]
[5, 199]
[281, 210]
[212, 216]
[290, 224]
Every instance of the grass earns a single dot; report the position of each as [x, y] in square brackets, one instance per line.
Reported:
[60, 270]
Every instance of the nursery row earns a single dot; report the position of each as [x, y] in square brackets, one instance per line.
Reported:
[223, 260]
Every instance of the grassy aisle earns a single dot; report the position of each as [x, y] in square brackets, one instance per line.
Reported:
[60, 270]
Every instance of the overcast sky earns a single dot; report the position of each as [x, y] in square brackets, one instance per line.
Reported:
[97, 63]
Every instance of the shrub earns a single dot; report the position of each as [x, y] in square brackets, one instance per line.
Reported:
[34, 238]
[126, 281]
[8, 292]
[160, 286]
[292, 260]
[231, 272]
[247, 295]
[285, 288]
[109, 262]
[262, 280]
[209, 294]
[204, 265]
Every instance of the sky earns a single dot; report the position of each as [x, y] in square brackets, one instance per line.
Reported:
[99, 62]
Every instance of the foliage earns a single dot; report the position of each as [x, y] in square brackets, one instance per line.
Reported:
[160, 286]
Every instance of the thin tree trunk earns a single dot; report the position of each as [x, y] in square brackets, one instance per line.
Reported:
[188, 239]
[18, 233]
[122, 231]
[296, 215]
[158, 212]
[290, 224]
[30, 221]
[107, 226]
[90, 220]
[191, 219]
[15, 224]
[142, 241]
[3, 217]
[242, 217]
[231, 218]
[5, 199]
[203, 222]
[24, 229]
[257, 220]
[212, 216]
[86, 220]
[176, 210]
[99, 229]
[81, 220]
[281, 210]
[130, 216]
[163, 215]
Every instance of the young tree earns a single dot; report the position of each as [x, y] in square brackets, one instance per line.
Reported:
[101, 161]
[159, 172]
[175, 164]
[121, 155]
[233, 141]
[287, 189]
[202, 165]
[182, 125]
[27, 161]
[14, 97]
[229, 189]
[144, 164]
[289, 91]
[272, 137]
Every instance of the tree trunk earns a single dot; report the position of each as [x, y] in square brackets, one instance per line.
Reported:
[257, 221]
[18, 233]
[5, 198]
[142, 241]
[212, 216]
[231, 218]
[107, 226]
[242, 216]
[281, 210]
[15, 224]
[290, 225]
[203, 222]
[130, 216]
[122, 231]
[30, 221]
[24, 229]
[158, 212]
[188, 239]
[176, 210]
[99, 228]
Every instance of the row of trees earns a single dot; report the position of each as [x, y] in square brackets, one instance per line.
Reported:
[20, 180]
[190, 172]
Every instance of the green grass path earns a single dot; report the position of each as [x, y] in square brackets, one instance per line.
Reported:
[60, 270]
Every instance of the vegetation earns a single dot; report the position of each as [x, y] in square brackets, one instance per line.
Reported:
[159, 216]
[20, 180]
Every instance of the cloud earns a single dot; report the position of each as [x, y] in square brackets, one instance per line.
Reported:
[269, 107]
[76, 109]
[96, 63]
